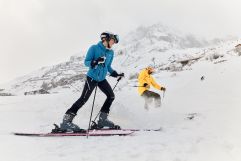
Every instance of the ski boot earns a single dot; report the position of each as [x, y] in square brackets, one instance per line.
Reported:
[105, 122]
[68, 126]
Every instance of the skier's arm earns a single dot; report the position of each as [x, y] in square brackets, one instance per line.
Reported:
[89, 56]
[110, 70]
[141, 78]
[154, 84]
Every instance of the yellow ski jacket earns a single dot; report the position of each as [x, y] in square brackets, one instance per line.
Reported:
[145, 77]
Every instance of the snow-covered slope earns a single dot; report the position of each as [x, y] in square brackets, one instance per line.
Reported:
[200, 120]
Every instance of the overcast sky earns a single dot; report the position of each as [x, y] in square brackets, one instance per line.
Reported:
[37, 33]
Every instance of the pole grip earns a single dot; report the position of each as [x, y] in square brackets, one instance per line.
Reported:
[119, 79]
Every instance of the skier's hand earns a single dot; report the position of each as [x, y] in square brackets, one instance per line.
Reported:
[100, 60]
[93, 63]
[121, 75]
[163, 89]
[145, 85]
[115, 74]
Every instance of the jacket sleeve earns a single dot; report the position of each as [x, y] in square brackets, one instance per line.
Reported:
[89, 56]
[154, 84]
[141, 78]
[110, 70]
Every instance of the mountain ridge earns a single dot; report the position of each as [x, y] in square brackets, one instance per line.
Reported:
[156, 45]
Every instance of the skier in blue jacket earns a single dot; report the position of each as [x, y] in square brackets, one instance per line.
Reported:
[99, 59]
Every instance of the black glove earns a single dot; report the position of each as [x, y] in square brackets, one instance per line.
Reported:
[100, 60]
[115, 74]
[145, 84]
[163, 89]
[121, 75]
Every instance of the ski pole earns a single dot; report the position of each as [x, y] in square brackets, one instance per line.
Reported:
[92, 111]
[137, 86]
[117, 82]
[163, 95]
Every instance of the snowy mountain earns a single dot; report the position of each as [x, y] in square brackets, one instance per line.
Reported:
[48, 78]
[163, 37]
[157, 45]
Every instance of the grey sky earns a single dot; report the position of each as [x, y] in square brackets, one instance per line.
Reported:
[36, 33]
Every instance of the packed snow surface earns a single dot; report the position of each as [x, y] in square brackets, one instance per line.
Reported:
[200, 121]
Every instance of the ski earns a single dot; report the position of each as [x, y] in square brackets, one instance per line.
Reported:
[95, 126]
[95, 132]
[57, 131]
[133, 129]
[90, 133]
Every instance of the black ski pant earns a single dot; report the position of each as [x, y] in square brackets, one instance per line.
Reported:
[89, 86]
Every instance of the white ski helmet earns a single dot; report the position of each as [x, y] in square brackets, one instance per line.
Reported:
[109, 35]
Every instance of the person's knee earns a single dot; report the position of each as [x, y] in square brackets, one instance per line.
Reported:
[157, 96]
[111, 97]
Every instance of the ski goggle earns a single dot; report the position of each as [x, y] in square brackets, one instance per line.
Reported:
[115, 38]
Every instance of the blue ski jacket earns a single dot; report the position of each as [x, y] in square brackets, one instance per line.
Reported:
[99, 72]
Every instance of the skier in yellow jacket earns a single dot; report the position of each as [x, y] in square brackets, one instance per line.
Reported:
[145, 80]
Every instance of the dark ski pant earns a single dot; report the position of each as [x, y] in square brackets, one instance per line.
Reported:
[149, 96]
[89, 86]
